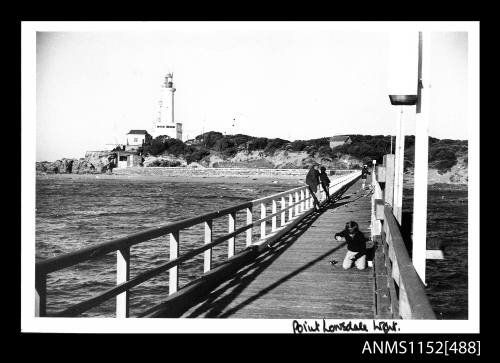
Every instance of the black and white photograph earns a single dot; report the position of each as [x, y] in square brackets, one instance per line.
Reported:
[250, 177]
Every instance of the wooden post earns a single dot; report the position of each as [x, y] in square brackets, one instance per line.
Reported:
[122, 275]
[302, 206]
[398, 169]
[290, 211]
[389, 179]
[173, 284]
[308, 201]
[231, 225]
[283, 214]
[263, 223]
[250, 230]
[421, 160]
[273, 219]
[296, 203]
[40, 295]
[207, 255]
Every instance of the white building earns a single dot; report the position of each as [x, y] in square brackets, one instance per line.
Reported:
[136, 139]
[339, 140]
[165, 124]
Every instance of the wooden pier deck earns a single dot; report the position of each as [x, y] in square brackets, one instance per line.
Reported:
[295, 278]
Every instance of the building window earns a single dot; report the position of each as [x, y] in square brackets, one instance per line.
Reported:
[135, 139]
[123, 158]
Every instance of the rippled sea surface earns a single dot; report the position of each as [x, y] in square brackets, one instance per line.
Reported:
[447, 222]
[77, 213]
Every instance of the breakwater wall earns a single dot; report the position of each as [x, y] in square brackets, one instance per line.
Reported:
[220, 172]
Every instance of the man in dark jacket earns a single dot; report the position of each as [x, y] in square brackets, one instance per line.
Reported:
[325, 181]
[312, 181]
[364, 175]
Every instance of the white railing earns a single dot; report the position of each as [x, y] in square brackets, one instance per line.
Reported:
[293, 204]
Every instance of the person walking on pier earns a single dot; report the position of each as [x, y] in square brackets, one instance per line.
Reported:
[364, 174]
[356, 246]
[325, 181]
[312, 181]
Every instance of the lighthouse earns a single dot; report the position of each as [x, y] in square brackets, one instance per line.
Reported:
[165, 123]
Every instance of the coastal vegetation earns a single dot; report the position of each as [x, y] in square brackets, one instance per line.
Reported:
[215, 149]
[443, 154]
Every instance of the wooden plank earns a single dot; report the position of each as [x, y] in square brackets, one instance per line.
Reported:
[250, 230]
[295, 279]
[380, 173]
[230, 229]
[173, 276]
[122, 275]
[382, 293]
[379, 209]
[389, 179]
[207, 255]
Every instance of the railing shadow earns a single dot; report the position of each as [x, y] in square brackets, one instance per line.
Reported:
[213, 308]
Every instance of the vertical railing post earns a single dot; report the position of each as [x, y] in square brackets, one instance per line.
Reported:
[122, 275]
[274, 218]
[290, 210]
[283, 214]
[296, 203]
[40, 295]
[207, 255]
[231, 227]
[249, 221]
[173, 284]
[263, 223]
[302, 206]
[389, 179]
[308, 201]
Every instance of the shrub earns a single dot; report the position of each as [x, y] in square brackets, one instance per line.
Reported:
[259, 143]
[274, 144]
[240, 139]
[165, 163]
[298, 145]
[223, 143]
[155, 147]
[210, 138]
[326, 151]
[441, 153]
[174, 147]
[197, 155]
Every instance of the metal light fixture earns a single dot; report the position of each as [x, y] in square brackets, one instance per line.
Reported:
[403, 100]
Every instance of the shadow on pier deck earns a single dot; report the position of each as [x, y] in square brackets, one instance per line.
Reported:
[294, 279]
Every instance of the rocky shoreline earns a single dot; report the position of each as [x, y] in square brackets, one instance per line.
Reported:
[100, 163]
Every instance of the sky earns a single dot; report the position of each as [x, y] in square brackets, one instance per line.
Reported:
[292, 80]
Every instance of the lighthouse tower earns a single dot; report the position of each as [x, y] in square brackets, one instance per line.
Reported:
[165, 123]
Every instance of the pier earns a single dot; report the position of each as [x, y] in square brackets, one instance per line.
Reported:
[283, 271]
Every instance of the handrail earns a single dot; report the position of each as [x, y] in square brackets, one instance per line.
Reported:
[71, 258]
[413, 301]
[121, 246]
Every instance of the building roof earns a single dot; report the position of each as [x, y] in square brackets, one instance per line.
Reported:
[138, 132]
[342, 138]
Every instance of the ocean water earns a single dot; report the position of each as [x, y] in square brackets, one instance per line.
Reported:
[73, 214]
[447, 223]
[76, 213]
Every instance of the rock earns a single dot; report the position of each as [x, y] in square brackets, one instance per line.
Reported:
[83, 166]
[65, 166]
